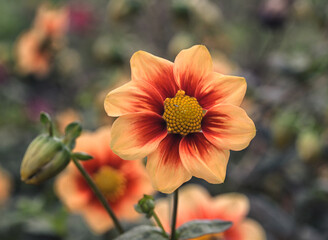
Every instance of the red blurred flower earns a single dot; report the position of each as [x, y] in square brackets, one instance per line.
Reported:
[183, 116]
[80, 18]
[123, 183]
[195, 203]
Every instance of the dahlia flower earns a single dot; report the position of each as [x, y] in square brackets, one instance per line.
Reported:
[183, 116]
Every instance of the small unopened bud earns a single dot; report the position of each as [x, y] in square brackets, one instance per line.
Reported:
[146, 205]
[44, 158]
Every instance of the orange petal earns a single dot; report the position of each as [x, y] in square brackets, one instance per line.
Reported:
[191, 66]
[98, 219]
[251, 230]
[228, 127]
[217, 88]
[162, 209]
[156, 71]
[68, 192]
[136, 135]
[231, 206]
[133, 97]
[164, 165]
[193, 203]
[202, 159]
[5, 186]
[193, 199]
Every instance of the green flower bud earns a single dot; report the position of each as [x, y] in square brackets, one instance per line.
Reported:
[146, 205]
[44, 158]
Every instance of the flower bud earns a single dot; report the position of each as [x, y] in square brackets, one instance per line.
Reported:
[45, 157]
[146, 205]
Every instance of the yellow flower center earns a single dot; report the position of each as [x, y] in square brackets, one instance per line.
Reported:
[182, 114]
[110, 182]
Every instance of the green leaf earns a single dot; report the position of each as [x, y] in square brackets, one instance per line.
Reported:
[198, 228]
[143, 232]
[81, 156]
[72, 131]
[45, 119]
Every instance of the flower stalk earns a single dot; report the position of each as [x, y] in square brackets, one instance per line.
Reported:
[174, 214]
[99, 195]
[159, 223]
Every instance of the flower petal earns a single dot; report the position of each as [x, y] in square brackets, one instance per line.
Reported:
[193, 202]
[68, 191]
[136, 135]
[231, 206]
[133, 97]
[164, 165]
[251, 230]
[228, 127]
[217, 88]
[202, 159]
[97, 218]
[191, 66]
[155, 71]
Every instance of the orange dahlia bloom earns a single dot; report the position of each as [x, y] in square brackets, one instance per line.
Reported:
[31, 56]
[196, 203]
[123, 183]
[183, 116]
[52, 22]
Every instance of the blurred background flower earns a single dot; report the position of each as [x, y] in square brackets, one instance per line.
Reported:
[5, 186]
[123, 183]
[195, 203]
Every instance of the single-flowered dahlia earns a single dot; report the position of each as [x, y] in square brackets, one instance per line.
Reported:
[195, 203]
[183, 116]
[123, 183]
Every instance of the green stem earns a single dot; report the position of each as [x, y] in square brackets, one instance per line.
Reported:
[174, 214]
[159, 223]
[99, 195]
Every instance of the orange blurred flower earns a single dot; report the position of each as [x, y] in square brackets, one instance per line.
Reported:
[36, 47]
[32, 57]
[122, 182]
[196, 203]
[183, 116]
[52, 22]
[5, 186]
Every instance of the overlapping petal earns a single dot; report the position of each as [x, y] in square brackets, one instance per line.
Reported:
[136, 135]
[132, 98]
[165, 167]
[228, 127]
[217, 88]
[191, 66]
[67, 189]
[233, 206]
[155, 71]
[251, 230]
[202, 159]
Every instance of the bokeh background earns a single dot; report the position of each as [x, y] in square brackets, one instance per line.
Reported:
[279, 46]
